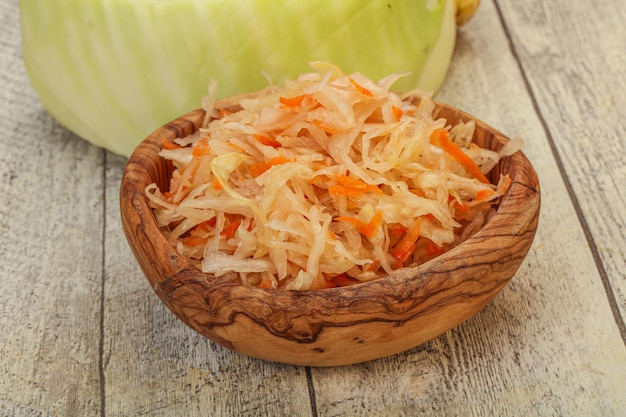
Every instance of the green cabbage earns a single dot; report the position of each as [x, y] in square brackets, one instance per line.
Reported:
[112, 71]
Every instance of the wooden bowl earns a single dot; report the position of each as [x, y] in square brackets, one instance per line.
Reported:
[343, 325]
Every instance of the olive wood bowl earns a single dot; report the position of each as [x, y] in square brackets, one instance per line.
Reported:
[343, 325]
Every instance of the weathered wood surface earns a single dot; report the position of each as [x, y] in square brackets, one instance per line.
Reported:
[82, 333]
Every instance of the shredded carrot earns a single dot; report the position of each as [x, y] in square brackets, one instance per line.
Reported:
[331, 130]
[418, 192]
[217, 185]
[236, 147]
[193, 240]
[169, 145]
[360, 88]
[441, 137]
[352, 187]
[373, 266]
[224, 112]
[460, 207]
[343, 280]
[397, 112]
[332, 235]
[339, 190]
[483, 195]
[352, 182]
[366, 229]
[434, 249]
[268, 140]
[457, 205]
[201, 149]
[370, 228]
[405, 247]
[229, 231]
[293, 101]
[261, 167]
[398, 230]
[358, 224]
[203, 228]
[265, 283]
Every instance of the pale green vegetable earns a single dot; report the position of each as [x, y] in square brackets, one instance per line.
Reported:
[112, 71]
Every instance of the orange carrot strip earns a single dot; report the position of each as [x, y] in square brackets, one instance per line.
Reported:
[337, 190]
[352, 182]
[343, 280]
[483, 195]
[236, 147]
[265, 283]
[457, 205]
[229, 231]
[331, 130]
[292, 101]
[358, 224]
[434, 249]
[397, 112]
[261, 167]
[397, 230]
[330, 284]
[373, 266]
[366, 229]
[370, 228]
[193, 240]
[418, 192]
[166, 144]
[217, 185]
[431, 217]
[360, 88]
[405, 247]
[224, 112]
[268, 140]
[201, 150]
[460, 207]
[441, 137]
[203, 228]
[352, 187]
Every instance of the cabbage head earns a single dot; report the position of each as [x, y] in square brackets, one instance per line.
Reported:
[112, 71]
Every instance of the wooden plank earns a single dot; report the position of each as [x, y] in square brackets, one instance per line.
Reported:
[540, 348]
[573, 55]
[155, 365]
[50, 252]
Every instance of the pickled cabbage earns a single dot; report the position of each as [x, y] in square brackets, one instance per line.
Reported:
[327, 180]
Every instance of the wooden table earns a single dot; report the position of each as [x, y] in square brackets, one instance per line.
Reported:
[82, 334]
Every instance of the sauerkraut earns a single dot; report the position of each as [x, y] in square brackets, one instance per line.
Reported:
[328, 180]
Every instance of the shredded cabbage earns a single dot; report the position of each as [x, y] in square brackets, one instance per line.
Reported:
[329, 180]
